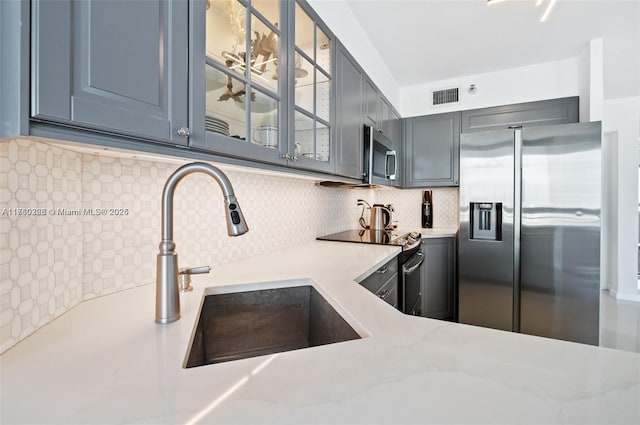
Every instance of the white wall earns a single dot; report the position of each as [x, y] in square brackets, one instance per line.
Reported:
[622, 123]
[609, 245]
[341, 20]
[530, 83]
[591, 81]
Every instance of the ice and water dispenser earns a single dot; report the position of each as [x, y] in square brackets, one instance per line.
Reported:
[486, 221]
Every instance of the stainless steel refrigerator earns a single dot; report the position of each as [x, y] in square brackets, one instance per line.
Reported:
[529, 252]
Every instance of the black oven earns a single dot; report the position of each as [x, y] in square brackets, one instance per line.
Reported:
[380, 160]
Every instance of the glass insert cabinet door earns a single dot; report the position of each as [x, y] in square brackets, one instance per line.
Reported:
[244, 79]
[268, 82]
[312, 87]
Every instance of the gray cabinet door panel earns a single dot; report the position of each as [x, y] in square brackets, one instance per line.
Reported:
[547, 112]
[438, 282]
[431, 150]
[385, 116]
[125, 71]
[371, 103]
[51, 60]
[349, 117]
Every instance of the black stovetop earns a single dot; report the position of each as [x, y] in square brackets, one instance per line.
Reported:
[378, 237]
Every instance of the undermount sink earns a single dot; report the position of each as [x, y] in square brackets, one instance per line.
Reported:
[238, 325]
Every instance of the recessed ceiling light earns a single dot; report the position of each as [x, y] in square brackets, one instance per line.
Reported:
[546, 13]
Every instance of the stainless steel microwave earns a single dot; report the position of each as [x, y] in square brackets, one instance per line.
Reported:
[380, 159]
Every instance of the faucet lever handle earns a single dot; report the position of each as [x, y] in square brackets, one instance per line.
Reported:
[195, 270]
[184, 276]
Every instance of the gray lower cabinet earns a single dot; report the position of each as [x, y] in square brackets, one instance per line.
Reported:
[384, 283]
[431, 150]
[547, 112]
[113, 66]
[349, 115]
[438, 278]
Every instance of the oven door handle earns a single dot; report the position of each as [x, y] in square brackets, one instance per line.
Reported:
[410, 269]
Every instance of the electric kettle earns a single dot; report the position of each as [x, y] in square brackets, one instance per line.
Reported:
[380, 216]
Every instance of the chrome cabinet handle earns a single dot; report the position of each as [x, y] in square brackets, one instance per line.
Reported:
[384, 294]
[184, 132]
[382, 270]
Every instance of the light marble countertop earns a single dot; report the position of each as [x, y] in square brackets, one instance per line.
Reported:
[106, 361]
[438, 232]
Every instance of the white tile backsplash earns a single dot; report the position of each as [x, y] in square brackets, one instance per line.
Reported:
[52, 262]
[408, 206]
[41, 269]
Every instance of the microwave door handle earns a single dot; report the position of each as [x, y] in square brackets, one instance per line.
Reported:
[388, 155]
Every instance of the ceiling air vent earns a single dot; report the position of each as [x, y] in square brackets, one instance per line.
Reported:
[442, 97]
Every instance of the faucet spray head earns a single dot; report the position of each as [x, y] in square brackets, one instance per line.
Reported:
[236, 224]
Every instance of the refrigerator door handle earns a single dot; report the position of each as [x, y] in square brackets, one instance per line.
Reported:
[517, 221]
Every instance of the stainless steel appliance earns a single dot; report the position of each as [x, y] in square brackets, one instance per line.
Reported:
[529, 253]
[380, 216]
[380, 159]
[409, 261]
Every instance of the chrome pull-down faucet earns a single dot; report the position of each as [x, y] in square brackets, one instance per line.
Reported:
[167, 295]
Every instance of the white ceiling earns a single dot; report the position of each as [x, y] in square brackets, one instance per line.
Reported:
[429, 40]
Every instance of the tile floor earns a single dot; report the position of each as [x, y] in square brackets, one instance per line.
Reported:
[619, 323]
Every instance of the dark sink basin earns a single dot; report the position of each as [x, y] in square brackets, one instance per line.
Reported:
[247, 324]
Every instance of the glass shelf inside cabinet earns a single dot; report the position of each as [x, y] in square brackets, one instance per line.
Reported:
[223, 96]
[242, 81]
[311, 138]
[227, 38]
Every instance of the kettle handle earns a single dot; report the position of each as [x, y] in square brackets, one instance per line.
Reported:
[386, 211]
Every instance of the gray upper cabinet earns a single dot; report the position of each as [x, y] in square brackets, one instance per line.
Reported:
[349, 115]
[251, 82]
[371, 103]
[385, 116]
[312, 89]
[547, 112]
[431, 150]
[114, 66]
[438, 278]
[378, 110]
[269, 88]
[239, 96]
[360, 103]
